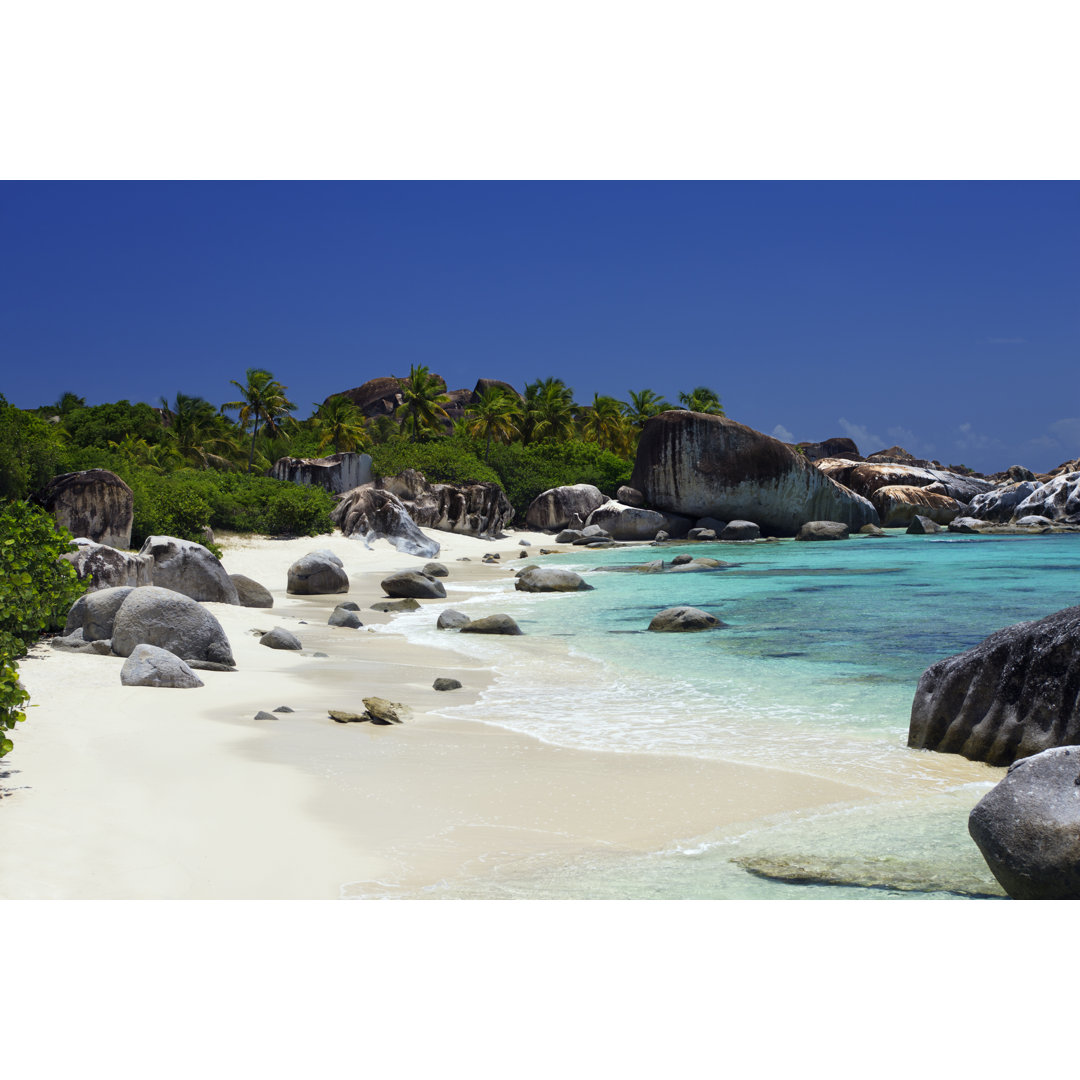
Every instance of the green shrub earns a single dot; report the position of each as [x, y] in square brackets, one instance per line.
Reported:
[37, 588]
[446, 461]
[30, 451]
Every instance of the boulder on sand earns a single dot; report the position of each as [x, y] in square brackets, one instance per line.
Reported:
[319, 573]
[150, 666]
[413, 583]
[1028, 826]
[94, 613]
[250, 593]
[623, 522]
[700, 465]
[740, 530]
[189, 568]
[375, 514]
[108, 568]
[169, 620]
[1014, 694]
[280, 638]
[552, 510]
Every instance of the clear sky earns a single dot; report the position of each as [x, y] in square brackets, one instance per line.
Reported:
[939, 315]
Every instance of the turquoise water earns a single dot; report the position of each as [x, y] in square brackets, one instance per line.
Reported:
[813, 673]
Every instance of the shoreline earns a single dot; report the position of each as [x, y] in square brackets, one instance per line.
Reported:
[121, 792]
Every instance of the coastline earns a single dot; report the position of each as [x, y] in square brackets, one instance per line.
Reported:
[123, 793]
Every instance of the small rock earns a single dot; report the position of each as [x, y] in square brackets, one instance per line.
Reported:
[872, 530]
[251, 593]
[550, 579]
[492, 624]
[823, 530]
[435, 569]
[680, 560]
[284, 708]
[446, 684]
[410, 583]
[523, 543]
[681, 619]
[341, 717]
[263, 715]
[452, 620]
[660, 537]
[701, 534]
[923, 526]
[408, 604]
[342, 616]
[740, 530]
[280, 638]
[381, 711]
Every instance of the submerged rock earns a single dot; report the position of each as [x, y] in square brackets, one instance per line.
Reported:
[451, 620]
[549, 579]
[492, 624]
[683, 619]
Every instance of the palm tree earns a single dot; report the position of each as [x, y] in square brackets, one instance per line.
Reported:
[262, 400]
[642, 405]
[341, 425]
[67, 402]
[702, 399]
[494, 416]
[422, 400]
[138, 453]
[198, 434]
[603, 423]
[549, 410]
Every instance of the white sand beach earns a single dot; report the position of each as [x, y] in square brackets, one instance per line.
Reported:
[117, 792]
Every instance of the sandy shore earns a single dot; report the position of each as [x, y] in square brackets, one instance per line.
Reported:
[131, 792]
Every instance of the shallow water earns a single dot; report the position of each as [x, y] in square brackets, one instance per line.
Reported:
[813, 673]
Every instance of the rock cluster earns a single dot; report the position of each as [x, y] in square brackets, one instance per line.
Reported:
[337, 473]
[375, 514]
[472, 509]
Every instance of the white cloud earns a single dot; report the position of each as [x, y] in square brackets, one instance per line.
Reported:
[967, 438]
[863, 439]
[780, 432]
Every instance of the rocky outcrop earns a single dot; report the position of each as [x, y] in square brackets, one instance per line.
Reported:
[553, 509]
[375, 514]
[694, 464]
[414, 584]
[868, 477]
[823, 530]
[150, 666]
[471, 509]
[549, 579]
[837, 447]
[1057, 499]
[280, 638]
[483, 385]
[491, 624]
[1001, 503]
[1028, 827]
[189, 568]
[683, 620]
[376, 397]
[108, 568]
[337, 473]
[897, 505]
[1014, 694]
[318, 573]
[169, 620]
[95, 503]
[249, 593]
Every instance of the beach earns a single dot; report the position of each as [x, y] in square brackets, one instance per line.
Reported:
[117, 792]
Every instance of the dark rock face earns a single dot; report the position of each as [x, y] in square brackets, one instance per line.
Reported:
[1014, 694]
[317, 574]
[446, 684]
[553, 509]
[169, 620]
[108, 568]
[95, 503]
[189, 568]
[830, 448]
[492, 624]
[376, 397]
[471, 509]
[250, 593]
[483, 385]
[151, 666]
[923, 526]
[414, 584]
[704, 535]
[1057, 499]
[683, 620]
[699, 465]
[436, 569]
[280, 638]
[868, 477]
[630, 496]
[337, 473]
[375, 514]
[1028, 827]
[823, 530]
[898, 504]
[549, 579]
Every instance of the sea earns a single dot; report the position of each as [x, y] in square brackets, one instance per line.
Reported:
[812, 672]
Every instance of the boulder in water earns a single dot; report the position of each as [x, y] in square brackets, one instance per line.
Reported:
[492, 624]
[823, 530]
[682, 620]
[549, 579]
[414, 584]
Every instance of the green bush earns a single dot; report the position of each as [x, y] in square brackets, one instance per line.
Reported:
[37, 588]
[95, 426]
[445, 461]
[30, 451]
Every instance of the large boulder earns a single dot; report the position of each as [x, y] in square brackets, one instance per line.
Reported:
[319, 573]
[414, 584]
[150, 666]
[836, 447]
[471, 509]
[549, 579]
[94, 613]
[552, 510]
[898, 504]
[1057, 499]
[108, 568]
[169, 620]
[189, 568]
[337, 473]
[376, 514]
[865, 478]
[741, 530]
[376, 397]
[683, 620]
[94, 503]
[622, 522]
[1001, 503]
[1014, 694]
[483, 385]
[249, 593]
[696, 464]
[1028, 827]
[823, 530]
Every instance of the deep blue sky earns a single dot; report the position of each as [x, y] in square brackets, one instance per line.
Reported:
[942, 316]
